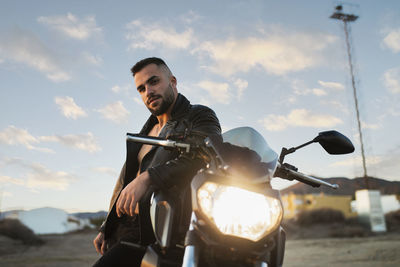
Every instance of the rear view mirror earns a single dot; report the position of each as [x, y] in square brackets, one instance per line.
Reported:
[334, 142]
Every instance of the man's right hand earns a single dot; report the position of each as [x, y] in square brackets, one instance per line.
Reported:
[100, 244]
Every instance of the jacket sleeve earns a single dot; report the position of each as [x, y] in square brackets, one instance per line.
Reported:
[117, 189]
[180, 171]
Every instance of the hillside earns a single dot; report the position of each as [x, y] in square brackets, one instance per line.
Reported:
[346, 187]
[90, 215]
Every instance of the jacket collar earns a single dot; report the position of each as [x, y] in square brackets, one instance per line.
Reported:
[180, 108]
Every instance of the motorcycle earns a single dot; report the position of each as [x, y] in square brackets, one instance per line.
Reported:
[235, 215]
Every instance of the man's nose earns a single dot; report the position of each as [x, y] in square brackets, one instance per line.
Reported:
[149, 90]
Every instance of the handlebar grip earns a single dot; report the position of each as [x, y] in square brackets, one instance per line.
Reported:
[289, 174]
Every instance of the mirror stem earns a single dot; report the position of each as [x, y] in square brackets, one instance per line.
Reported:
[286, 151]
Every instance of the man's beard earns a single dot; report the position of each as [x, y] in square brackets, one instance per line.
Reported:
[167, 101]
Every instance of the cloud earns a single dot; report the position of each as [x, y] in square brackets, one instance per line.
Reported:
[24, 47]
[38, 176]
[115, 112]
[391, 79]
[299, 118]
[92, 59]
[12, 136]
[207, 92]
[392, 40]
[150, 36]
[357, 160]
[332, 85]
[116, 89]
[69, 108]
[9, 180]
[300, 88]
[106, 170]
[387, 166]
[318, 92]
[73, 27]
[138, 100]
[7, 194]
[241, 86]
[276, 53]
[219, 92]
[16, 136]
[292, 99]
[85, 142]
[383, 166]
[121, 89]
[338, 105]
[41, 177]
[371, 126]
[190, 17]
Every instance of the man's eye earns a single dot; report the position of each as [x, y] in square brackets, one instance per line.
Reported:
[140, 89]
[153, 81]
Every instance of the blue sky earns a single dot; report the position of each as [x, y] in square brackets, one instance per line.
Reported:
[68, 99]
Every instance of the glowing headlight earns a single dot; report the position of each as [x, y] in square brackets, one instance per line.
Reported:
[239, 212]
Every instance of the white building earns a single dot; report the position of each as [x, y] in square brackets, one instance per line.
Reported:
[49, 221]
[389, 203]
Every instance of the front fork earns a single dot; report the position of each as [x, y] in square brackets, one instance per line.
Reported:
[192, 252]
[191, 257]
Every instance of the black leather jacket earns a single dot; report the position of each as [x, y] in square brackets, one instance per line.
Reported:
[168, 169]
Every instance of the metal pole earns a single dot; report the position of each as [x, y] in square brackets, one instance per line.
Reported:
[353, 83]
[339, 15]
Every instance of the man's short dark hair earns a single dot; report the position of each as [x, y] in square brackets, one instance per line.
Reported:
[147, 61]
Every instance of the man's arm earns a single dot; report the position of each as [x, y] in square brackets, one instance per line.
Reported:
[100, 243]
[131, 194]
[204, 123]
[117, 188]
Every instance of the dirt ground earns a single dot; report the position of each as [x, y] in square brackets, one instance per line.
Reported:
[373, 251]
[77, 250]
[59, 250]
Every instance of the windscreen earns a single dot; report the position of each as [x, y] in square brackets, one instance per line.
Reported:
[250, 138]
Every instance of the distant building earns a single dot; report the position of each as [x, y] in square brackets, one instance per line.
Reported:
[293, 204]
[49, 220]
[389, 203]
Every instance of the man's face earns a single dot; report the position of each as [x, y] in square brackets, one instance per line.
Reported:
[157, 87]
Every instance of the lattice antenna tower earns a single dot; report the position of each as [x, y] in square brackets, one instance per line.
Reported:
[346, 19]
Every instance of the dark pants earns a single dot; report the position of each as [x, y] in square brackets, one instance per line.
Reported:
[121, 255]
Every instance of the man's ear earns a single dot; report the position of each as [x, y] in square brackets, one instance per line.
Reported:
[173, 80]
[174, 83]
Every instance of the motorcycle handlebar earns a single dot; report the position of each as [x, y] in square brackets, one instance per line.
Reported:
[289, 172]
[157, 142]
[285, 171]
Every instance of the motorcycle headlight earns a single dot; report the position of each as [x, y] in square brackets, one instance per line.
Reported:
[239, 212]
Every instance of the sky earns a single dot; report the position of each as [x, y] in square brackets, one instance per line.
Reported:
[67, 98]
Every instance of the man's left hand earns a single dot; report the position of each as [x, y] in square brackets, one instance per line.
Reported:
[131, 194]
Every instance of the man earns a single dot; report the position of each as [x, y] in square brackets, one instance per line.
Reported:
[148, 168]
